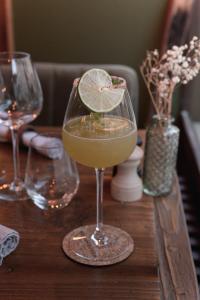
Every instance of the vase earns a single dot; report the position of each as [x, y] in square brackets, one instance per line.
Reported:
[161, 148]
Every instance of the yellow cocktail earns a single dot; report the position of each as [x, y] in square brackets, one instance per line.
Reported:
[99, 143]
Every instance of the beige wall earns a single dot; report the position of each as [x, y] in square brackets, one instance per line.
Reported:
[89, 31]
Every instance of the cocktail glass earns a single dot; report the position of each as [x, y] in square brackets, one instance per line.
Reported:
[99, 140]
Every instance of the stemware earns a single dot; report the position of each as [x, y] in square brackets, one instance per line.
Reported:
[99, 141]
[20, 103]
[51, 176]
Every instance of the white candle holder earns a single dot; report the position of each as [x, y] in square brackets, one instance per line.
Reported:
[126, 185]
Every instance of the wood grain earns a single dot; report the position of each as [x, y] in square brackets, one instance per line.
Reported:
[189, 179]
[177, 273]
[39, 269]
[189, 149]
[176, 270]
[6, 26]
[177, 22]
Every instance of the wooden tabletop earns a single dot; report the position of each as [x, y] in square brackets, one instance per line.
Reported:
[161, 266]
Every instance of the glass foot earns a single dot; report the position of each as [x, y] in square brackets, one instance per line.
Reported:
[8, 193]
[80, 246]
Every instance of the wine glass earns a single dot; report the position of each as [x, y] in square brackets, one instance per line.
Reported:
[20, 103]
[99, 140]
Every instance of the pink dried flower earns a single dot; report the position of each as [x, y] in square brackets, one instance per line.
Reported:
[161, 74]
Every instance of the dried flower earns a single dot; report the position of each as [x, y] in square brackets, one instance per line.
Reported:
[161, 74]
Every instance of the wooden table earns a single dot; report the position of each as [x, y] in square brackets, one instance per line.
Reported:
[161, 266]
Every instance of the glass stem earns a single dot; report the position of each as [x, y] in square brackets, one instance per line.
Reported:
[99, 236]
[17, 182]
[99, 204]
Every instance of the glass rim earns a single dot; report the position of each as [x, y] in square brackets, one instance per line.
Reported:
[16, 55]
[163, 118]
[121, 84]
[46, 134]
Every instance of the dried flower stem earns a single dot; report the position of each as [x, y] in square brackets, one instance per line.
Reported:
[150, 92]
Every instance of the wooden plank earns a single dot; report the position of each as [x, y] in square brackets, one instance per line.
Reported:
[6, 26]
[39, 269]
[178, 279]
[189, 144]
[177, 272]
[177, 23]
[9, 25]
[161, 267]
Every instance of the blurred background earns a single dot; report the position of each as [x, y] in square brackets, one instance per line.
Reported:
[91, 31]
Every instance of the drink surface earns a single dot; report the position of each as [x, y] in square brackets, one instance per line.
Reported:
[99, 142]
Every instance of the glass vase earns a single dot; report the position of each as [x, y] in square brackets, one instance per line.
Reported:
[161, 148]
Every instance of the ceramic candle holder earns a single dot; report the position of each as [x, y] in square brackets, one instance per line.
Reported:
[126, 185]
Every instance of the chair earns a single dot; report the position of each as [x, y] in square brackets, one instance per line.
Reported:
[56, 80]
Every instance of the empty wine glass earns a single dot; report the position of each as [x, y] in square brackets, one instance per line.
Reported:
[20, 103]
[51, 177]
[100, 137]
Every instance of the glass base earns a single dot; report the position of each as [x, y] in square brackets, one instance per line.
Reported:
[156, 193]
[80, 246]
[8, 192]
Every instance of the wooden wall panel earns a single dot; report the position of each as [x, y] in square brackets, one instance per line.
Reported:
[6, 25]
[177, 23]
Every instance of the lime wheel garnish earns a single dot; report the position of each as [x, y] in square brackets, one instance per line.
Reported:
[97, 91]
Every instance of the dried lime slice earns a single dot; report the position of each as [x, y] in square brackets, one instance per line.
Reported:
[97, 91]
